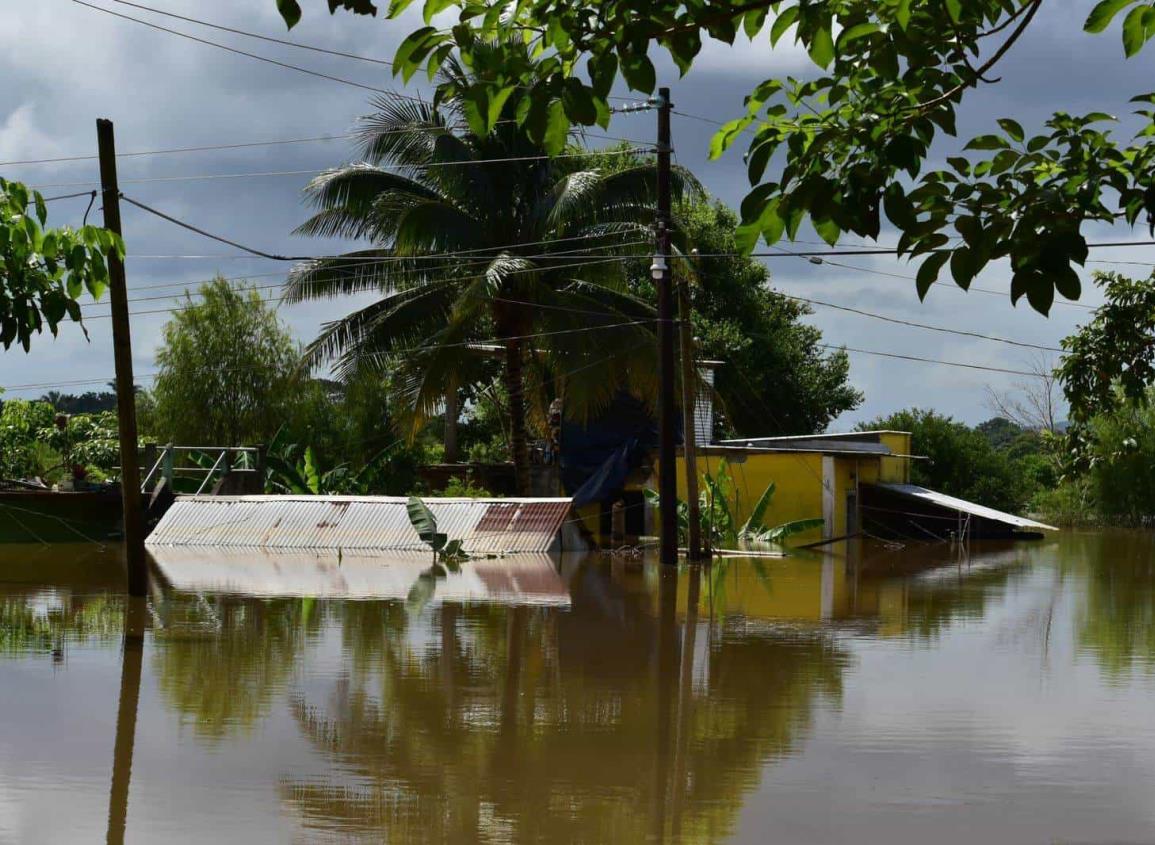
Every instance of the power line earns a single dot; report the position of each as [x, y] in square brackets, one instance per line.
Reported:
[925, 326]
[411, 350]
[257, 252]
[474, 262]
[205, 148]
[350, 262]
[930, 360]
[229, 49]
[256, 35]
[250, 144]
[201, 177]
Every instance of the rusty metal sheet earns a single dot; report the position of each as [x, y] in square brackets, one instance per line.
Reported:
[358, 522]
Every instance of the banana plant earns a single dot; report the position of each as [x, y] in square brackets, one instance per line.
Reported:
[449, 553]
[718, 504]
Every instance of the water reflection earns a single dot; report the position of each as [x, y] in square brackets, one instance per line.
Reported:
[1117, 621]
[536, 700]
[606, 722]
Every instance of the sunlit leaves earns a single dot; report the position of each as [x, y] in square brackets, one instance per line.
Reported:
[1103, 13]
[42, 273]
[890, 76]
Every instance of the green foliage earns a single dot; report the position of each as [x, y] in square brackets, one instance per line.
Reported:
[1070, 504]
[853, 139]
[776, 379]
[718, 505]
[1111, 360]
[353, 424]
[89, 440]
[962, 461]
[296, 470]
[447, 552]
[43, 272]
[228, 370]
[519, 222]
[464, 488]
[1122, 462]
[21, 422]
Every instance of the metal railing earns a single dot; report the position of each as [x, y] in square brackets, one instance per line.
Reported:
[208, 463]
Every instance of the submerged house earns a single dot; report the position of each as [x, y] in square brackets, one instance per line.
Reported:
[858, 483]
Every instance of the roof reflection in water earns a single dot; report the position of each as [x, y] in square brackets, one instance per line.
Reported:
[516, 579]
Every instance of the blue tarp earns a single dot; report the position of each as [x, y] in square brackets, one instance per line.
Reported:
[597, 456]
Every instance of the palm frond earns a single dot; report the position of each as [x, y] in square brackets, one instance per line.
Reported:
[371, 333]
[354, 272]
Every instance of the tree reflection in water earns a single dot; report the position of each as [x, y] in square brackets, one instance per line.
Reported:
[535, 724]
[1117, 621]
[221, 661]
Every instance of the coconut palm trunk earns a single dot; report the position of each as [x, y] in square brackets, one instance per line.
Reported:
[518, 437]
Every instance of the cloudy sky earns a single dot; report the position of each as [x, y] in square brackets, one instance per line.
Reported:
[65, 64]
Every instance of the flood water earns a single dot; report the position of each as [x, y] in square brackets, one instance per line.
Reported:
[866, 695]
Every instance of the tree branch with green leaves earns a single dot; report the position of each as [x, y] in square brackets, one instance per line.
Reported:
[44, 272]
[850, 145]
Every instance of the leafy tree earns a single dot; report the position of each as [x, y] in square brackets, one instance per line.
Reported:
[854, 140]
[775, 379]
[43, 272]
[523, 227]
[1122, 462]
[89, 402]
[227, 370]
[20, 423]
[961, 461]
[1111, 360]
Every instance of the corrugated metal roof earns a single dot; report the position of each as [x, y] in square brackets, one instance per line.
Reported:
[955, 504]
[358, 522]
[518, 579]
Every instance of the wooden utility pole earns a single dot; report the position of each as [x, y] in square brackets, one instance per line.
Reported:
[663, 278]
[689, 429]
[122, 353]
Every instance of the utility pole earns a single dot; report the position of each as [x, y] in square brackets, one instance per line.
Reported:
[689, 435]
[122, 353]
[667, 454]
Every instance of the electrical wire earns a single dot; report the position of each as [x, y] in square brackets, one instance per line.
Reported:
[563, 254]
[238, 52]
[931, 360]
[257, 252]
[205, 148]
[247, 34]
[203, 177]
[411, 350]
[914, 325]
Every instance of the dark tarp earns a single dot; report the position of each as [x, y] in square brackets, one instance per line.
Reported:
[597, 456]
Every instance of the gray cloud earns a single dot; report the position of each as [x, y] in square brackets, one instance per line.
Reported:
[65, 65]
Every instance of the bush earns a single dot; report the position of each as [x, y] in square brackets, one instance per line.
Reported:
[1069, 505]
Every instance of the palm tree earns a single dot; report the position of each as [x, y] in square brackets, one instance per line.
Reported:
[477, 237]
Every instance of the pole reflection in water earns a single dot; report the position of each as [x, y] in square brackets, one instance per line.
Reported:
[667, 665]
[132, 654]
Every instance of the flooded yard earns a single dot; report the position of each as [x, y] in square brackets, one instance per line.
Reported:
[864, 695]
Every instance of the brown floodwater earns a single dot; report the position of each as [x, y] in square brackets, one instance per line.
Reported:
[866, 695]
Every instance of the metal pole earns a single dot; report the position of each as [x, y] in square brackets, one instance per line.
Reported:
[125, 389]
[667, 454]
[689, 430]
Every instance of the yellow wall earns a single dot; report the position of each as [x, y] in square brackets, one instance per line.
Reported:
[797, 478]
[896, 470]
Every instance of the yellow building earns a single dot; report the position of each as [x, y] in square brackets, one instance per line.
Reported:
[814, 476]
